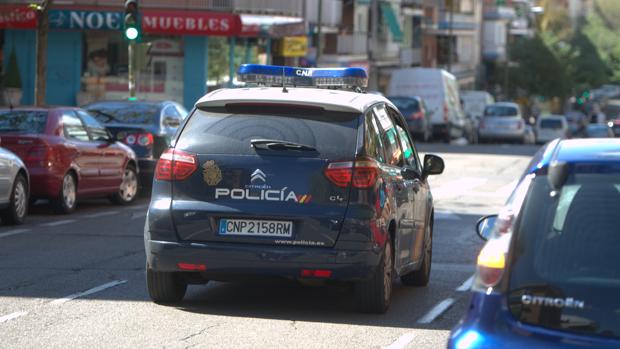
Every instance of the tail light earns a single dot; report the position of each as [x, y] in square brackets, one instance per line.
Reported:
[481, 124]
[130, 139]
[317, 273]
[416, 116]
[492, 258]
[175, 164]
[492, 262]
[142, 139]
[361, 173]
[39, 156]
[446, 115]
[145, 139]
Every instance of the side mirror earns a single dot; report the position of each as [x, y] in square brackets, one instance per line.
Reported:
[485, 225]
[433, 165]
[557, 175]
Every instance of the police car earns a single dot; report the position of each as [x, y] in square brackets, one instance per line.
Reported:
[299, 175]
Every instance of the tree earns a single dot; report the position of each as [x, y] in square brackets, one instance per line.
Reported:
[603, 30]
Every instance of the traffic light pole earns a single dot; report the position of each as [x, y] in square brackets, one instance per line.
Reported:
[131, 72]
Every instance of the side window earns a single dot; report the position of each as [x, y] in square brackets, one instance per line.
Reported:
[372, 139]
[171, 116]
[73, 127]
[97, 132]
[389, 137]
[182, 111]
[408, 150]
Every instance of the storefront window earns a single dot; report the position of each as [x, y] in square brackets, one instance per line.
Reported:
[158, 68]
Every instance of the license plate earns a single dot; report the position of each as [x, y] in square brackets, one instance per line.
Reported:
[249, 227]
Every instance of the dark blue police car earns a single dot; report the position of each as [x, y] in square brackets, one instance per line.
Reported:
[294, 182]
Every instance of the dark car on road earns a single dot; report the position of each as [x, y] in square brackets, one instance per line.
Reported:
[147, 127]
[69, 155]
[548, 276]
[299, 183]
[417, 116]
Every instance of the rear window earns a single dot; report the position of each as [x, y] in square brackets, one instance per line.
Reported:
[405, 104]
[23, 121]
[551, 123]
[496, 110]
[227, 131]
[564, 269]
[125, 113]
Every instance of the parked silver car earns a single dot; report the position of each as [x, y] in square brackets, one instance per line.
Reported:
[14, 188]
[503, 122]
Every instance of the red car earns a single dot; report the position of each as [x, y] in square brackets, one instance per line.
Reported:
[69, 155]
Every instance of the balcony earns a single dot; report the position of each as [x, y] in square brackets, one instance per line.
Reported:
[292, 8]
[410, 56]
[331, 12]
[460, 21]
[352, 44]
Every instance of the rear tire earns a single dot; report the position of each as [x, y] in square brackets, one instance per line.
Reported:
[421, 276]
[65, 202]
[374, 295]
[128, 190]
[165, 287]
[18, 204]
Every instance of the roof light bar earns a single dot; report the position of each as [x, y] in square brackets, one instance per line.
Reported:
[273, 75]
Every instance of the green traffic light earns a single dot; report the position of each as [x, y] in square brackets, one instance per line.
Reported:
[131, 33]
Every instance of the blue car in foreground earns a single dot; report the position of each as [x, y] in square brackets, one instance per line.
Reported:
[549, 275]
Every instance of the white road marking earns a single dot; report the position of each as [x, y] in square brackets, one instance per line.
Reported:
[138, 215]
[436, 311]
[12, 316]
[53, 224]
[402, 341]
[447, 216]
[13, 232]
[100, 214]
[88, 292]
[466, 285]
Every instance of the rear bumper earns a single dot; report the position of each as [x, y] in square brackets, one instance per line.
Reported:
[44, 183]
[223, 260]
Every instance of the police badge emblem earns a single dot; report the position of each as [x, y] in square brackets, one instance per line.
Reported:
[211, 173]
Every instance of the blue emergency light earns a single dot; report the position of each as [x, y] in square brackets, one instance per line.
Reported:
[273, 75]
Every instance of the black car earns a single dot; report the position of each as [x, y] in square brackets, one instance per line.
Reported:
[147, 127]
[416, 114]
[299, 183]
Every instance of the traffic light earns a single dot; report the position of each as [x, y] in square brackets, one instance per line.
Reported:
[132, 20]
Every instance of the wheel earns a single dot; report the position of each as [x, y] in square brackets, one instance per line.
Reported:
[165, 287]
[66, 200]
[374, 295]
[18, 204]
[128, 189]
[421, 276]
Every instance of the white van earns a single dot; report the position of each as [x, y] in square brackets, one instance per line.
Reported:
[474, 102]
[440, 92]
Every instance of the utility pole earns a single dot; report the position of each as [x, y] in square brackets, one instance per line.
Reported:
[319, 33]
[42, 31]
[450, 4]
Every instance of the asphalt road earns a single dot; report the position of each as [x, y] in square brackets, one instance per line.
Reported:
[78, 281]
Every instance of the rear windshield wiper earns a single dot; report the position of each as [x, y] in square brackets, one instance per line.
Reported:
[275, 144]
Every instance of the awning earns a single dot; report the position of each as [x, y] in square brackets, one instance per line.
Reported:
[387, 12]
